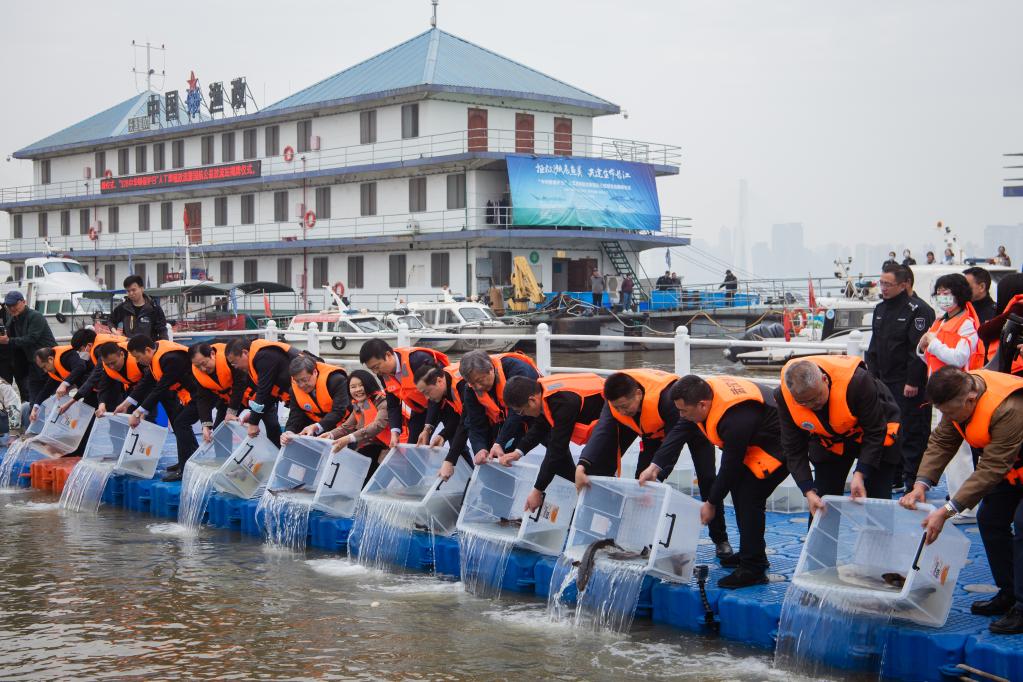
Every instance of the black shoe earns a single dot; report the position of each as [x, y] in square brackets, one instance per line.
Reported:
[1009, 624]
[174, 467]
[742, 577]
[723, 552]
[171, 476]
[729, 560]
[998, 605]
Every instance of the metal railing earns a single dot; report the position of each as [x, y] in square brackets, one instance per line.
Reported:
[782, 291]
[412, 149]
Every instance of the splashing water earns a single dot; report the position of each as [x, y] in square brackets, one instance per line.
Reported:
[608, 604]
[285, 519]
[196, 484]
[10, 466]
[84, 487]
[383, 529]
[483, 559]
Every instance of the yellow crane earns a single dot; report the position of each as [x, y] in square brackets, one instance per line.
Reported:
[526, 288]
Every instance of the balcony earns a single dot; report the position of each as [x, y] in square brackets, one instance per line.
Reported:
[480, 142]
[478, 222]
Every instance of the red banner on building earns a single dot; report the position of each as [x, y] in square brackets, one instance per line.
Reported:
[179, 178]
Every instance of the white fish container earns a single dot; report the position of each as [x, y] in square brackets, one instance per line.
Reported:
[246, 471]
[787, 498]
[856, 547]
[298, 464]
[655, 517]
[340, 481]
[64, 432]
[226, 439]
[408, 478]
[495, 503]
[106, 438]
[140, 447]
[36, 427]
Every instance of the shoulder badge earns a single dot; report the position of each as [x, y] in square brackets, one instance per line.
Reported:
[920, 324]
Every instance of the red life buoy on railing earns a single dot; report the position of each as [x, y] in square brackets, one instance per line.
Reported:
[310, 220]
[108, 173]
[339, 289]
[800, 319]
[93, 234]
[289, 153]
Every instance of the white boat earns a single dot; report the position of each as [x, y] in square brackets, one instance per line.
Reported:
[415, 325]
[56, 287]
[468, 317]
[340, 325]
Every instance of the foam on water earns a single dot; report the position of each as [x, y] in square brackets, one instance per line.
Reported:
[423, 585]
[196, 484]
[172, 529]
[337, 568]
[285, 519]
[84, 487]
[34, 506]
[483, 560]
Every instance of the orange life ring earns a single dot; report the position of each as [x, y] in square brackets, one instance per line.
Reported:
[309, 219]
[800, 320]
[339, 289]
[289, 153]
[93, 234]
[108, 173]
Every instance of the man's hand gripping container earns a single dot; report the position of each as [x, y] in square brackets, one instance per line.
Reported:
[64, 432]
[245, 472]
[136, 452]
[340, 479]
[870, 554]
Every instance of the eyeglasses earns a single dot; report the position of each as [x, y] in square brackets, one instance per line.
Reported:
[887, 285]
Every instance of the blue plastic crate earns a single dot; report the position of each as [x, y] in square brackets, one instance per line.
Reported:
[680, 605]
[543, 570]
[751, 614]
[913, 652]
[520, 573]
[330, 533]
[138, 495]
[247, 513]
[225, 511]
[114, 492]
[1000, 655]
[447, 557]
[166, 499]
[409, 549]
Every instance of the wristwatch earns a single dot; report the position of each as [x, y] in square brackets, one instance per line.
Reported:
[950, 510]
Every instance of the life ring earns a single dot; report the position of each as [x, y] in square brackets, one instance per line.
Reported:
[309, 220]
[289, 153]
[800, 319]
[338, 289]
[339, 342]
[93, 234]
[108, 173]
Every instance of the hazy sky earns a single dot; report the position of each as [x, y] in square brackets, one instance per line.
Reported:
[867, 121]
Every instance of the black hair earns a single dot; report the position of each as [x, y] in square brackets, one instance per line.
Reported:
[428, 372]
[518, 391]
[374, 349]
[82, 338]
[369, 382]
[958, 285]
[901, 273]
[619, 385]
[203, 349]
[981, 275]
[108, 349]
[133, 279]
[1008, 286]
[691, 389]
[140, 342]
[947, 384]
[44, 354]
[237, 346]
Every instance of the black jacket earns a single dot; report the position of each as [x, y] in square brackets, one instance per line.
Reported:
[176, 368]
[416, 359]
[77, 368]
[567, 410]
[475, 417]
[272, 366]
[337, 385]
[146, 319]
[28, 333]
[985, 308]
[897, 325]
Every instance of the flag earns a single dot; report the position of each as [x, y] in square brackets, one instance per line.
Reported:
[667, 258]
[813, 299]
[266, 305]
[786, 322]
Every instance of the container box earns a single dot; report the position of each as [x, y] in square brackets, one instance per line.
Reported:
[870, 555]
[64, 432]
[298, 464]
[138, 449]
[226, 439]
[654, 518]
[247, 470]
[340, 480]
[495, 502]
[408, 478]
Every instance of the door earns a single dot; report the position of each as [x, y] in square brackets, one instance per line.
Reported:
[559, 274]
[477, 130]
[563, 136]
[193, 224]
[523, 133]
[579, 274]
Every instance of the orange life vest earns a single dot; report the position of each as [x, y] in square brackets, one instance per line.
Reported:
[992, 348]
[365, 413]
[258, 345]
[222, 383]
[947, 332]
[60, 372]
[162, 348]
[130, 373]
[842, 424]
[729, 392]
[583, 385]
[496, 410]
[405, 389]
[316, 408]
[998, 388]
[654, 382]
[455, 377]
[100, 340]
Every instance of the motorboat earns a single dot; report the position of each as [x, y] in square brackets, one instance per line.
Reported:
[468, 317]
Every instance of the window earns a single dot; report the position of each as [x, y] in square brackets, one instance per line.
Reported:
[416, 195]
[178, 153]
[159, 156]
[140, 159]
[44, 171]
[109, 275]
[250, 268]
[207, 150]
[284, 271]
[44, 225]
[166, 216]
[101, 164]
[501, 264]
[321, 272]
[248, 209]
[456, 191]
[227, 147]
[355, 272]
[249, 143]
[440, 269]
[143, 217]
[122, 162]
[281, 206]
[323, 203]
[305, 134]
[65, 223]
[19, 272]
[396, 261]
[368, 198]
[17, 226]
[227, 271]
[83, 221]
[220, 211]
[367, 127]
[162, 270]
[114, 219]
[409, 121]
[273, 141]
[140, 270]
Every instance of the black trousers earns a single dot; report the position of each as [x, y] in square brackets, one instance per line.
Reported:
[749, 498]
[1000, 509]
[29, 379]
[415, 425]
[831, 471]
[914, 432]
[270, 421]
[373, 451]
[181, 418]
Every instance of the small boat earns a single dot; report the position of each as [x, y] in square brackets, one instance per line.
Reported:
[59, 288]
[414, 323]
[336, 327]
[468, 317]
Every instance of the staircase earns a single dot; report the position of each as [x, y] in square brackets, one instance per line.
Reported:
[623, 267]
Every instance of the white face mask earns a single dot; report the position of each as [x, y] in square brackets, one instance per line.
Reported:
[945, 301]
[84, 354]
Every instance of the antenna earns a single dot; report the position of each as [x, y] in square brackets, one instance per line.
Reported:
[433, 19]
[150, 71]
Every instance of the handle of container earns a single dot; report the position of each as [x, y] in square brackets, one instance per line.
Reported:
[440, 482]
[337, 468]
[671, 530]
[240, 460]
[536, 516]
[919, 551]
[134, 444]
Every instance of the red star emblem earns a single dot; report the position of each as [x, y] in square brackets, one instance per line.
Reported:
[192, 81]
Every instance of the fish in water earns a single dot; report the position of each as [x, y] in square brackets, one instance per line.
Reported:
[894, 579]
[274, 491]
[510, 522]
[585, 564]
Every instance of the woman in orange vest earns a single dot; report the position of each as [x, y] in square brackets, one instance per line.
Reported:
[319, 397]
[365, 428]
[445, 388]
[489, 425]
[985, 409]
[952, 339]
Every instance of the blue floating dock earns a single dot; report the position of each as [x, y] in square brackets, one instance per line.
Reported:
[167, 499]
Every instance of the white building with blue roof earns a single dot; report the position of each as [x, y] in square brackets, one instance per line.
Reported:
[433, 163]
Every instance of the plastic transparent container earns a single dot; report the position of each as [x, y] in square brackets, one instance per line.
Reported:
[226, 439]
[64, 432]
[36, 427]
[653, 517]
[340, 481]
[298, 464]
[408, 478]
[495, 501]
[247, 470]
[870, 554]
[140, 448]
[106, 438]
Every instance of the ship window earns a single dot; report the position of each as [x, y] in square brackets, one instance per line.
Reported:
[249, 143]
[368, 198]
[67, 307]
[281, 206]
[411, 321]
[323, 203]
[159, 156]
[355, 272]
[440, 269]
[40, 307]
[456, 191]
[305, 134]
[273, 141]
[429, 316]
[178, 153]
[248, 209]
[409, 121]
[44, 171]
[140, 159]
[370, 326]
[416, 195]
[122, 161]
[473, 314]
[207, 150]
[19, 271]
[62, 266]
[367, 127]
[398, 279]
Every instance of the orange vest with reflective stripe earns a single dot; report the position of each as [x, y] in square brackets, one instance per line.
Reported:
[842, 424]
[405, 389]
[583, 385]
[729, 392]
[654, 382]
[316, 408]
[222, 384]
[100, 340]
[367, 413]
[162, 348]
[130, 373]
[258, 345]
[978, 430]
[60, 372]
[455, 377]
[496, 410]
[947, 331]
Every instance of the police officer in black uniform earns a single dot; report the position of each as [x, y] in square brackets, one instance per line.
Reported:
[898, 323]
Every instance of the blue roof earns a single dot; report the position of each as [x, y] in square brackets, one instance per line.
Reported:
[440, 62]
